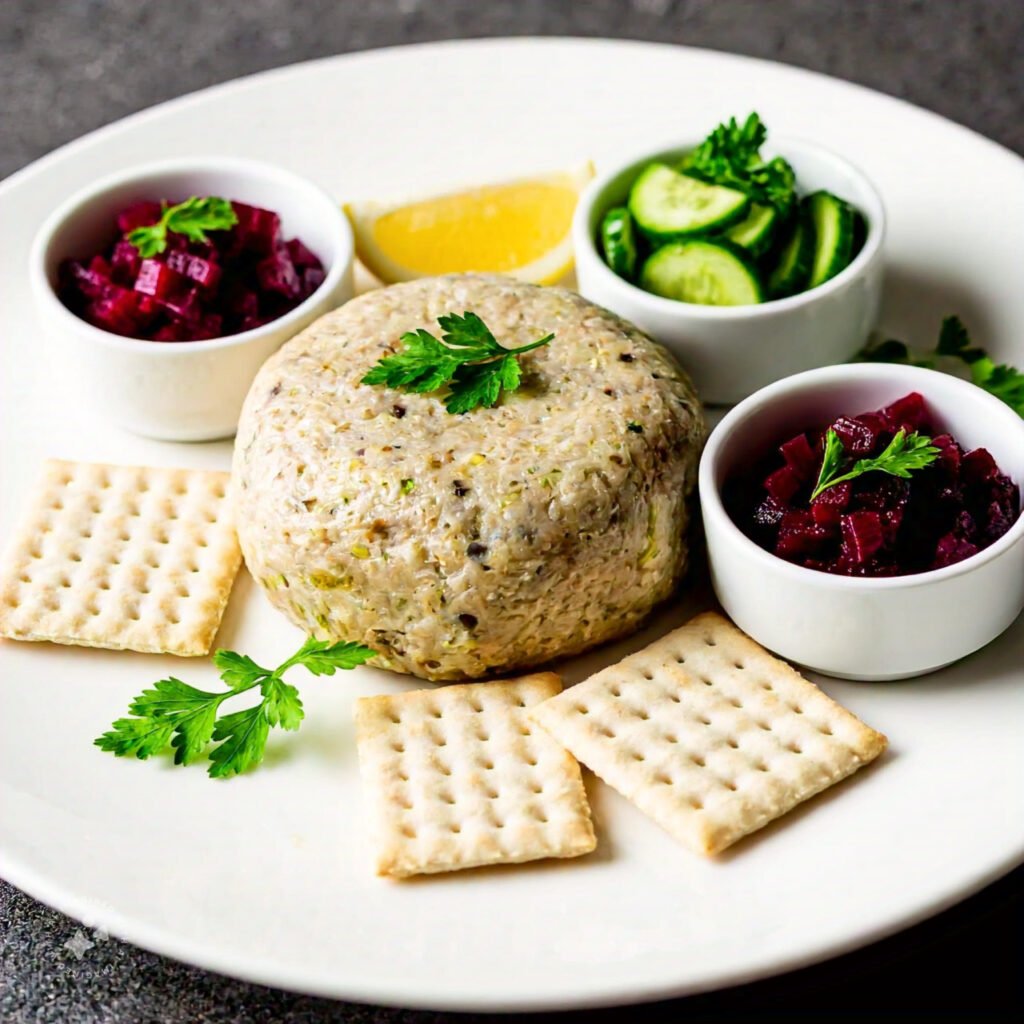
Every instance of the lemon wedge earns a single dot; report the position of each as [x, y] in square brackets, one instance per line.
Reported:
[520, 228]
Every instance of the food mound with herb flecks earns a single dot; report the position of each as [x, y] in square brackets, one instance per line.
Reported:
[540, 513]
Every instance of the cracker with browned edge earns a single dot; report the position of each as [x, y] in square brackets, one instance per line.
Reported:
[458, 777]
[708, 733]
[123, 557]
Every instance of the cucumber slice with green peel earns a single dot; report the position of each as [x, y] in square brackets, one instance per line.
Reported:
[667, 205]
[832, 219]
[618, 242]
[792, 268]
[755, 232]
[704, 272]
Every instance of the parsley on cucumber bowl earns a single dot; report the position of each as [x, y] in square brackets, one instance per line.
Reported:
[723, 225]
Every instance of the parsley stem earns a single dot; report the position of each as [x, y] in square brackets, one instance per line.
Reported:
[532, 345]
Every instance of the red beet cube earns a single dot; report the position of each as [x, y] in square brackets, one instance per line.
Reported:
[277, 274]
[862, 535]
[184, 306]
[977, 466]
[799, 536]
[859, 435]
[242, 302]
[210, 326]
[312, 278]
[159, 280]
[84, 280]
[115, 312]
[800, 457]
[951, 549]
[257, 230]
[138, 215]
[782, 485]
[202, 272]
[125, 263]
[892, 520]
[908, 413]
[302, 257]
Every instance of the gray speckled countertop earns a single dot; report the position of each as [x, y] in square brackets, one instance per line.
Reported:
[67, 66]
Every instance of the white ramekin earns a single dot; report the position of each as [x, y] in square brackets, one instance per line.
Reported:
[731, 351]
[870, 629]
[180, 391]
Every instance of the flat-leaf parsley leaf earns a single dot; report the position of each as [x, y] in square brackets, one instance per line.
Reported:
[468, 359]
[999, 379]
[904, 454]
[192, 218]
[176, 714]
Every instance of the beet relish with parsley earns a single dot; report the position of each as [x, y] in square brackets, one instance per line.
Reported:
[205, 268]
[945, 504]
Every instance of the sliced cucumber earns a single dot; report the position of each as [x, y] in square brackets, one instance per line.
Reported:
[667, 205]
[708, 273]
[832, 219]
[618, 242]
[792, 266]
[754, 233]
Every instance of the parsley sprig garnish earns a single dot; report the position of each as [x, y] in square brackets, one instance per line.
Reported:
[731, 156]
[468, 359]
[192, 218]
[904, 454]
[999, 379]
[175, 714]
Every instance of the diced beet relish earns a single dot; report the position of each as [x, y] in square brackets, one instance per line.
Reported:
[242, 278]
[876, 524]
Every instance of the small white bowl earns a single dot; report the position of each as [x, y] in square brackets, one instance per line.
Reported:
[189, 390]
[872, 629]
[731, 351]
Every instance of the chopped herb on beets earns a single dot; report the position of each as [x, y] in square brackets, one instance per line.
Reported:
[905, 453]
[192, 218]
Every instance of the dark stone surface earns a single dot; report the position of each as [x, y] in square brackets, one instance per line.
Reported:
[67, 66]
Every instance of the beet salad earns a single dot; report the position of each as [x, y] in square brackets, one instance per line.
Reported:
[204, 268]
[881, 493]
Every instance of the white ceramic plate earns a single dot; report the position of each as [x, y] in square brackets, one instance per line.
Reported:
[267, 877]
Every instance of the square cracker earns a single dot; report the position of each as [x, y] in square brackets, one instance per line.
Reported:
[709, 734]
[458, 777]
[122, 557]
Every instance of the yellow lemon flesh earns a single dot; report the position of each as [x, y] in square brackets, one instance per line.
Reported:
[520, 228]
